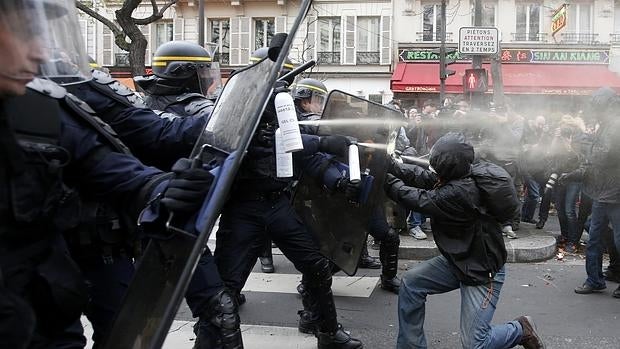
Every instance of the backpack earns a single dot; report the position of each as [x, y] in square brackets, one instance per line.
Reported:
[497, 191]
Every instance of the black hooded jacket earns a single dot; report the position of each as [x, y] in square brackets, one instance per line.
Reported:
[452, 199]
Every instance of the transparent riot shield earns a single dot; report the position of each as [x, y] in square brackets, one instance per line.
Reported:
[341, 227]
[166, 267]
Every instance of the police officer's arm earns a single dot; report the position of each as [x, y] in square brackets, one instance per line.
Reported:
[111, 175]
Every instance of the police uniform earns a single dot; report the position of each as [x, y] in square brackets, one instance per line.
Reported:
[259, 207]
[51, 143]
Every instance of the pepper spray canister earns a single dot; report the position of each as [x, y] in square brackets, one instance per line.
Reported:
[284, 160]
[354, 163]
[287, 120]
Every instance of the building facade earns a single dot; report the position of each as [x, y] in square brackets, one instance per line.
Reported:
[538, 68]
[350, 40]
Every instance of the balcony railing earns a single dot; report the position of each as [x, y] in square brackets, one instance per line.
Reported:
[223, 58]
[368, 57]
[579, 38]
[121, 59]
[539, 37]
[614, 38]
[328, 57]
[432, 36]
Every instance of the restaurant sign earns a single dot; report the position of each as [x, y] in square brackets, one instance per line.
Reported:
[515, 56]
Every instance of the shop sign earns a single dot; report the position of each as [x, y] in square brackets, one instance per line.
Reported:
[558, 20]
[555, 56]
[425, 55]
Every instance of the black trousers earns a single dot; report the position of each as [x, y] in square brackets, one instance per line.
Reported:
[244, 225]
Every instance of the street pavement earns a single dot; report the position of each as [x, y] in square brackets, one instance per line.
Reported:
[543, 290]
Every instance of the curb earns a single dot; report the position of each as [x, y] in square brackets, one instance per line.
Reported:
[531, 246]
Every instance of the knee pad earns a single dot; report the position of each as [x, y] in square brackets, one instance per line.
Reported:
[319, 274]
[223, 310]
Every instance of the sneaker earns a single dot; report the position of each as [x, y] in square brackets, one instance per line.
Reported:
[417, 233]
[616, 293]
[530, 338]
[540, 224]
[509, 233]
[587, 289]
[570, 247]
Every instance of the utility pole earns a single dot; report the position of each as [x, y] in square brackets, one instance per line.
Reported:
[476, 62]
[444, 61]
[201, 23]
[496, 75]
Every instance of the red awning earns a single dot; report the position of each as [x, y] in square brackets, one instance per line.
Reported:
[557, 79]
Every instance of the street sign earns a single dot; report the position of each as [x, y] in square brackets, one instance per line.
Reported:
[478, 40]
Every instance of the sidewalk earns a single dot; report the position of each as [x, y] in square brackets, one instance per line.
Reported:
[533, 245]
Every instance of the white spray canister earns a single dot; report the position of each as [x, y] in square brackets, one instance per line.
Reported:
[284, 160]
[354, 163]
[287, 120]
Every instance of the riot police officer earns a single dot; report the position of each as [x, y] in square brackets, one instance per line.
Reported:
[170, 134]
[259, 206]
[310, 95]
[52, 143]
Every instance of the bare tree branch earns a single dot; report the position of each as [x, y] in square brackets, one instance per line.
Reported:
[156, 14]
[154, 4]
[108, 23]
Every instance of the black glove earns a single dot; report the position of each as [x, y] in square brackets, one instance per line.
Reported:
[350, 189]
[187, 190]
[265, 135]
[574, 176]
[392, 185]
[394, 166]
[335, 144]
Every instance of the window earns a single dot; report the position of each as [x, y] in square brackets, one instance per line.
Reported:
[329, 40]
[263, 32]
[164, 32]
[431, 25]
[377, 98]
[368, 36]
[528, 22]
[218, 34]
[579, 18]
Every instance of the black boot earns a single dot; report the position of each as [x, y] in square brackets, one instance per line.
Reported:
[309, 320]
[388, 253]
[330, 334]
[338, 339]
[367, 261]
[266, 259]
[219, 327]
[540, 224]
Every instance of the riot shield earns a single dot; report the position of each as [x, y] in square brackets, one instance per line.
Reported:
[166, 267]
[341, 227]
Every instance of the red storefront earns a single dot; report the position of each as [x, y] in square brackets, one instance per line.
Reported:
[540, 75]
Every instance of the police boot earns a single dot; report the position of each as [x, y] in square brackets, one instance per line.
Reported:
[266, 259]
[309, 320]
[330, 335]
[366, 261]
[223, 317]
[388, 254]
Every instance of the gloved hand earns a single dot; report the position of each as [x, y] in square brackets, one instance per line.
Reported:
[265, 135]
[335, 144]
[574, 176]
[392, 185]
[350, 189]
[187, 190]
[269, 115]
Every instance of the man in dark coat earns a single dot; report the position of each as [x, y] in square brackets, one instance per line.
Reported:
[470, 260]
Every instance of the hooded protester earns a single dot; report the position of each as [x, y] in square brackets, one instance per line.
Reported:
[472, 251]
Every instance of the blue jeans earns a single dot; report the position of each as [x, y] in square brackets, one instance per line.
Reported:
[415, 219]
[478, 304]
[602, 215]
[566, 197]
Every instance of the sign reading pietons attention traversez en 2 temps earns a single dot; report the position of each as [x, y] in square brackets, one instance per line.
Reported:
[478, 40]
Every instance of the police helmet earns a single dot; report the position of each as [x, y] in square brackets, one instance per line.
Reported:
[55, 25]
[262, 52]
[313, 91]
[182, 66]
